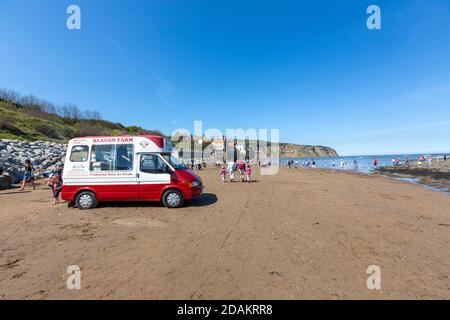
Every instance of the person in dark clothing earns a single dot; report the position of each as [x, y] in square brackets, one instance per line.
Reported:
[28, 175]
[55, 184]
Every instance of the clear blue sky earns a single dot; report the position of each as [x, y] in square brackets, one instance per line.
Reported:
[309, 68]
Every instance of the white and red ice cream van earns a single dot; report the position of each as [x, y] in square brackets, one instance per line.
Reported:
[126, 168]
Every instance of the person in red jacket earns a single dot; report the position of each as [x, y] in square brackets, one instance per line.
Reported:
[375, 162]
[241, 168]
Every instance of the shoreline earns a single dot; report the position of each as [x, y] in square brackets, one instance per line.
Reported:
[398, 173]
[435, 176]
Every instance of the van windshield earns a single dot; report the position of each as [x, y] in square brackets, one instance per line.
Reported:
[174, 162]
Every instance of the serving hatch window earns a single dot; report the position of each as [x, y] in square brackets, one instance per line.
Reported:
[112, 157]
[79, 153]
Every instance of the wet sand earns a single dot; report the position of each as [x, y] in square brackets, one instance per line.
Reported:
[301, 234]
[436, 176]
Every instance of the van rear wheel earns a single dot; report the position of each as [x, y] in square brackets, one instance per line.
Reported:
[86, 200]
[173, 199]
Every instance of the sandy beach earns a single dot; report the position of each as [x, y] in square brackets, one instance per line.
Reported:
[301, 234]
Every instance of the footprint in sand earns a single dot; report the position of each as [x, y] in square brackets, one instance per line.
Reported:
[140, 222]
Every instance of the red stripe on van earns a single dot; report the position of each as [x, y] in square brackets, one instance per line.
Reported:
[159, 141]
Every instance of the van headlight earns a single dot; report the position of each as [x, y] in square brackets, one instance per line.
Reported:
[194, 184]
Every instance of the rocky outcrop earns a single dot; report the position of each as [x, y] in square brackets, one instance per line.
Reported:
[304, 151]
[5, 182]
[41, 154]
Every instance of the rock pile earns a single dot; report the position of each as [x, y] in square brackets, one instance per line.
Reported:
[42, 154]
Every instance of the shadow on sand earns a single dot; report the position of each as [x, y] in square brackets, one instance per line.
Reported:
[14, 192]
[243, 182]
[205, 199]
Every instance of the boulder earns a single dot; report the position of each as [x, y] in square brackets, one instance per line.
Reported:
[37, 151]
[14, 176]
[5, 182]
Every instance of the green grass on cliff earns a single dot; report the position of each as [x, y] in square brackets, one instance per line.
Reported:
[20, 123]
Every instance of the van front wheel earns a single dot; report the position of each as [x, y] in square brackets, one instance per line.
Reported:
[173, 199]
[86, 200]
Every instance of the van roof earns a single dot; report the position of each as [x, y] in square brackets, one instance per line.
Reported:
[158, 140]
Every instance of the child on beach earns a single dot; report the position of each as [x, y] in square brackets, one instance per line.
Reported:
[55, 184]
[223, 174]
[248, 172]
[28, 175]
[241, 167]
[231, 169]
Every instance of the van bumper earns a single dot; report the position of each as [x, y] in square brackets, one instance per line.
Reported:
[193, 193]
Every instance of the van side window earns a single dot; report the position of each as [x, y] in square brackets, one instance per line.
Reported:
[102, 157]
[79, 153]
[124, 157]
[111, 157]
[151, 163]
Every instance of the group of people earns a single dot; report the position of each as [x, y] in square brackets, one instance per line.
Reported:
[196, 164]
[54, 179]
[395, 162]
[423, 160]
[344, 164]
[243, 168]
[305, 164]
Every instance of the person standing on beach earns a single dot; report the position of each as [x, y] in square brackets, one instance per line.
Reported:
[223, 173]
[375, 162]
[445, 157]
[28, 175]
[55, 184]
[241, 168]
[231, 168]
[248, 172]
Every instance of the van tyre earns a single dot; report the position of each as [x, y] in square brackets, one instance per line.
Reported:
[173, 199]
[86, 200]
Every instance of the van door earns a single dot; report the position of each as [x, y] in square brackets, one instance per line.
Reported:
[113, 172]
[153, 176]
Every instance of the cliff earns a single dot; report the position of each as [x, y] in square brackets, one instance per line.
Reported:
[289, 150]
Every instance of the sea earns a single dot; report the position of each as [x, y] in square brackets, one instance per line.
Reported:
[365, 163]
